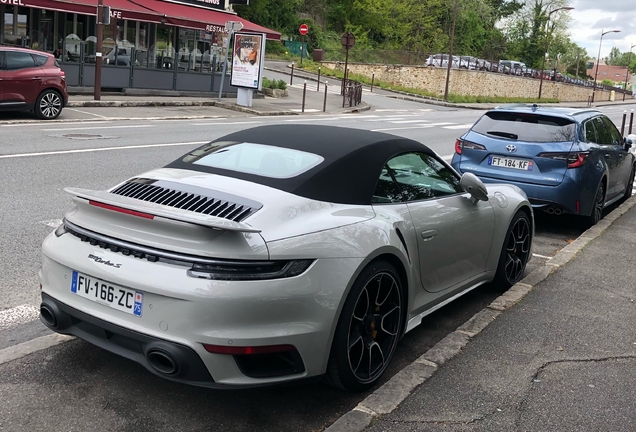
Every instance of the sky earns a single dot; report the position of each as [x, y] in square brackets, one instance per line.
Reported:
[591, 17]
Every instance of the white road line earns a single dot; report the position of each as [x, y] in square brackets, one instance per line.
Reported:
[97, 149]
[315, 119]
[34, 345]
[541, 256]
[402, 128]
[31, 124]
[18, 315]
[447, 158]
[225, 124]
[306, 110]
[95, 127]
[53, 223]
[86, 112]
[408, 121]
[391, 110]
[386, 119]
[463, 126]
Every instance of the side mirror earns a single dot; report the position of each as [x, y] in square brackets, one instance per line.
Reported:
[629, 141]
[471, 184]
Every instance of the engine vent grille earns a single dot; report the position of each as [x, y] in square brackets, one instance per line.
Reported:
[187, 198]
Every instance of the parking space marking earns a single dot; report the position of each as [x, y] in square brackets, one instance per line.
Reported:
[97, 149]
[95, 127]
[541, 256]
[225, 124]
[53, 223]
[86, 112]
[15, 316]
[35, 123]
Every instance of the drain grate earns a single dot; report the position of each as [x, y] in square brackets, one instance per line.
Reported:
[82, 136]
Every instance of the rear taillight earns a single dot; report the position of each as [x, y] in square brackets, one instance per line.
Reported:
[463, 145]
[574, 160]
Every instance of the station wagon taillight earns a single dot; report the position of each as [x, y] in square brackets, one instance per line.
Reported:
[574, 159]
[463, 144]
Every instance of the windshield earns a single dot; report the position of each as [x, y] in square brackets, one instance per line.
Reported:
[526, 127]
[259, 159]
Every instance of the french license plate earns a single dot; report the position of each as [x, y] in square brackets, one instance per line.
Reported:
[520, 164]
[114, 296]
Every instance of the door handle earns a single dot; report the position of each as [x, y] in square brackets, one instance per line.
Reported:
[36, 78]
[607, 155]
[428, 235]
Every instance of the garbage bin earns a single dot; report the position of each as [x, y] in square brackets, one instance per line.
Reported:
[612, 95]
[319, 55]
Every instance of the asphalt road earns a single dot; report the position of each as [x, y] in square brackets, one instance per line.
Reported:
[77, 386]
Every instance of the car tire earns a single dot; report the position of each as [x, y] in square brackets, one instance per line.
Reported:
[515, 252]
[630, 185]
[597, 207]
[49, 105]
[368, 330]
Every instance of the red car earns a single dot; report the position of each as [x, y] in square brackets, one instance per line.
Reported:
[31, 80]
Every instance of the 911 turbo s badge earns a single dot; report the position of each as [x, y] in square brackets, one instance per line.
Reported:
[101, 261]
[511, 148]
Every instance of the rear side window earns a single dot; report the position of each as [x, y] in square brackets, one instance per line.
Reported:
[603, 133]
[590, 132]
[526, 127]
[614, 133]
[18, 60]
[40, 60]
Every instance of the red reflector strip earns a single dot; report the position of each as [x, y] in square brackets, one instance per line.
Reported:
[121, 210]
[232, 350]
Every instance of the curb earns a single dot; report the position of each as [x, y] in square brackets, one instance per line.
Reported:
[387, 398]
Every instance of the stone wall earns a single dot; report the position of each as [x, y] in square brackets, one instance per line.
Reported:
[471, 83]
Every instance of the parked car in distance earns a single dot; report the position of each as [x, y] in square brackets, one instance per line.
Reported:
[441, 60]
[565, 160]
[262, 258]
[31, 80]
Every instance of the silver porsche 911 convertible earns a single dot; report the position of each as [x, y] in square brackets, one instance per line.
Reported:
[279, 253]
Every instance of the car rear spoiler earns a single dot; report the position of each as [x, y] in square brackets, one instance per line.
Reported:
[147, 208]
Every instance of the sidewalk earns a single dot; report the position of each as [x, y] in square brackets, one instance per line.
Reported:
[562, 359]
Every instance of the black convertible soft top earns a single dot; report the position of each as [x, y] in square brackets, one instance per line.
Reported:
[353, 160]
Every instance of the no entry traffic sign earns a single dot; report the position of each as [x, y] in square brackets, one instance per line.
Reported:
[303, 29]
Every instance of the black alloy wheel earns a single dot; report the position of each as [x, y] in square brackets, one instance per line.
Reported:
[515, 252]
[369, 329]
[49, 105]
[599, 204]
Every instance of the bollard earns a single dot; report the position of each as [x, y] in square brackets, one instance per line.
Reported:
[372, 80]
[324, 104]
[623, 123]
[304, 93]
[291, 78]
[631, 121]
[318, 84]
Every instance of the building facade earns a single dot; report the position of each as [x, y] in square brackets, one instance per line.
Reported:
[153, 44]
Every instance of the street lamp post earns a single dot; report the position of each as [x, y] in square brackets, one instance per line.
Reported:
[547, 39]
[598, 59]
[627, 72]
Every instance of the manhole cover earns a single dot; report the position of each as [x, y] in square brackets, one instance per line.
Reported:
[83, 136]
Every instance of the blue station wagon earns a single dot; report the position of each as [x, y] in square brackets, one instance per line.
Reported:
[565, 160]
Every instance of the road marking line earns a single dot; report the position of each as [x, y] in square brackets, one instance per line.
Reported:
[402, 128]
[409, 121]
[18, 315]
[447, 158]
[64, 123]
[95, 127]
[86, 112]
[314, 119]
[29, 347]
[53, 223]
[306, 110]
[464, 126]
[224, 124]
[541, 256]
[385, 119]
[21, 155]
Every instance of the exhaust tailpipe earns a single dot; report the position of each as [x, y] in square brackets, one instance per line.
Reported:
[162, 362]
[48, 317]
[550, 210]
[558, 211]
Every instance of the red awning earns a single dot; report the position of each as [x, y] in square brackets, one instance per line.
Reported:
[84, 7]
[201, 18]
[125, 9]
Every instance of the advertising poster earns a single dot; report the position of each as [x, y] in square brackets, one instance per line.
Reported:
[247, 60]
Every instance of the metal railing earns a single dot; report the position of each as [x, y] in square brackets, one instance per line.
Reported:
[352, 91]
